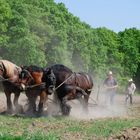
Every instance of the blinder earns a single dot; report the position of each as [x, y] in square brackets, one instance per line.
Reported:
[25, 75]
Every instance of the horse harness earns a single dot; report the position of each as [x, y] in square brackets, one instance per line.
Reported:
[63, 82]
[4, 76]
[76, 82]
[35, 86]
[3, 69]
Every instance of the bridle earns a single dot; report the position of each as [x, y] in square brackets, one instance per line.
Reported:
[29, 78]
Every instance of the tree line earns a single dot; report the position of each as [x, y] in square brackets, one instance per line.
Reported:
[42, 32]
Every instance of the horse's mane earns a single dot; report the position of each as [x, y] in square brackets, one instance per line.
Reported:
[60, 67]
[81, 72]
[33, 68]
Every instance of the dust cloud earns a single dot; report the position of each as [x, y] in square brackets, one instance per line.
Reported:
[97, 108]
[100, 109]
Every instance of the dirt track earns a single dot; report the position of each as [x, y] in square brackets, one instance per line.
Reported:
[99, 110]
[102, 110]
[119, 109]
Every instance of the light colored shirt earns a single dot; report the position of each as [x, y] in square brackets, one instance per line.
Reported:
[131, 88]
[110, 84]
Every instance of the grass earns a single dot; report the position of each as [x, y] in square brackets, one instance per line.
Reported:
[36, 136]
[16, 128]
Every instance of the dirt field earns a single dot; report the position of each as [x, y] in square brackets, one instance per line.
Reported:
[97, 109]
[102, 110]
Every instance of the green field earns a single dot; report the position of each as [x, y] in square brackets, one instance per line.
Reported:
[60, 128]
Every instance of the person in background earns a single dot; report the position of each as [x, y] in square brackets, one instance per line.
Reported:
[130, 90]
[110, 85]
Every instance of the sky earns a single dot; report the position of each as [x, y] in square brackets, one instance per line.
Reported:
[116, 15]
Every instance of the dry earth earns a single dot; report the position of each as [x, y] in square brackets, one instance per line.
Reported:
[97, 108]
[129, 134]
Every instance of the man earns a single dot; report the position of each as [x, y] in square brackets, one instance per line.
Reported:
[130, 89]
[110, 86]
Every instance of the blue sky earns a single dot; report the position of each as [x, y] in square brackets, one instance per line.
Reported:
[112, 14]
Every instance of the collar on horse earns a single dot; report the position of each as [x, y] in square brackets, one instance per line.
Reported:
[33, 85]
[2, 67]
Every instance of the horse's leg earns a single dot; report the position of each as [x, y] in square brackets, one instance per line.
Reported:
[16, 99]
[68, 94]
[86, 98]
[64, 106]
[43, 98]
[83, 100]
[18, 107]
[32, 102]
[9, 103]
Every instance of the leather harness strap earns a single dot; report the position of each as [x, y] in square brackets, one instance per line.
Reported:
[2, 67]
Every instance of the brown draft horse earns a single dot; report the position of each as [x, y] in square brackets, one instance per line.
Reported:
[38, 83]
[9, 75]
[70, 85]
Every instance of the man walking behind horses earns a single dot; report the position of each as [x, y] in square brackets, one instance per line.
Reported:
[110, 86]
[130, 89]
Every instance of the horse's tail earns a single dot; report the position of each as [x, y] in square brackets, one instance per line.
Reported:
[91, 80]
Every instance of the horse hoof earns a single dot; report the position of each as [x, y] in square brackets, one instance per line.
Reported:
[85, 111]
[66, 110]
[19, 109]
[9, 111]
[3, 113]
[38, 114]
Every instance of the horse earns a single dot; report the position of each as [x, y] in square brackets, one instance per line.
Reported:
[71, 85]
[37, 83]
[9, 74]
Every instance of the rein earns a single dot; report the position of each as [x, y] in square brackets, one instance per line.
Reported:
[32, 86]
[63, 82]
[3, 79]
[66, 80]
[29, 74]
[36, 85]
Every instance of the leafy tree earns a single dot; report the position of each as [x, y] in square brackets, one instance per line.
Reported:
[42, 32]
[5, 17]
[130, 46]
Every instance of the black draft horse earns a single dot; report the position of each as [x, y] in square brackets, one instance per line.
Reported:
[70, 85]
[9, 75]
[37, 83]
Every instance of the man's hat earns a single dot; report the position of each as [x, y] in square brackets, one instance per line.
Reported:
[110, 73]
[130, 80]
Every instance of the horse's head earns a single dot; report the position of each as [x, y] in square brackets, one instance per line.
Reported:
[25, 77]
[50, 80]
[33, 75]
